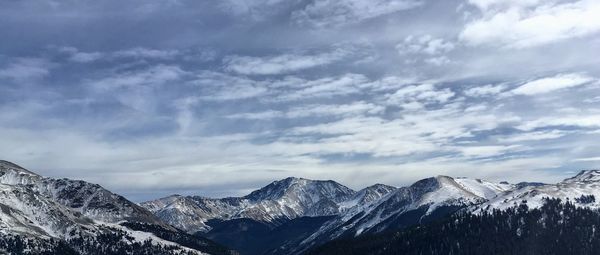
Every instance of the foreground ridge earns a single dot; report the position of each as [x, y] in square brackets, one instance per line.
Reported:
[40, 215]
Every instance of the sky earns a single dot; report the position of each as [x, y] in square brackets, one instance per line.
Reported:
[217, 98]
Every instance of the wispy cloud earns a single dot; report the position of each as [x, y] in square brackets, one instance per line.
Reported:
[549, 84]
[146, 94]
[281, 64]
[522, 24]
[322, 13]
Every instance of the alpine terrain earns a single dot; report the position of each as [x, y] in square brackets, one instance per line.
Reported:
[40, 215]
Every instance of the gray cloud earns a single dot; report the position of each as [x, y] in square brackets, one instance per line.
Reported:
[194, 96]
[323, 13]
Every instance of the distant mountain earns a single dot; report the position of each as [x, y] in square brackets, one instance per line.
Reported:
[86, 198]
[554, 227]
[585, 183]
[349, 213]
[61, 216]
[422, 202]
[273, 204]
[43, 215]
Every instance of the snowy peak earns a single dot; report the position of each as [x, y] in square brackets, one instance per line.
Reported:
[293, 186]
[278, 201]
[89, 199]
[585, 176]
[12, 173]
[373, 193]
[6, 166]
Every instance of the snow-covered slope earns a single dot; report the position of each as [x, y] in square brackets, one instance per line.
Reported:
[585, 183]
[89, 199]
[279, 201]
[43, 212]
[396, 208]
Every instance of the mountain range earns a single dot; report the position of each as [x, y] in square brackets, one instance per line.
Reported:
[289, 216]
[40, 215]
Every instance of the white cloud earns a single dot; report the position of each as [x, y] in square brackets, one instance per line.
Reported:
[431, 50]
[487, 150]
[270, 114]
[315, 110]
[550, 84]
[323, 13]
[583, 120]
[155, 75]
[25, 69]
[424, 45]
[141, 52]
[522, 24]
[414, 97]
[327, 87]
[281, 64]
[485, 90]
[220, 86]
[533, 136]
[593, 159]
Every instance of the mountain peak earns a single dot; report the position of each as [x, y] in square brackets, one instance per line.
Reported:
[585, 176]
[10, 166]
[278, 189]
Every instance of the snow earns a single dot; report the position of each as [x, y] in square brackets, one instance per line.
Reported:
[288, 198]
[140, 236]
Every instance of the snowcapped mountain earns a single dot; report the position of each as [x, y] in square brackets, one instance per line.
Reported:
[279, 201]
[61, 216]
[288, 216]
[585, 183]
[424, 200]
[89, 199]
[370, 210]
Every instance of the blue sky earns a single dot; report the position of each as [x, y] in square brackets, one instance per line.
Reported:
[216, 98]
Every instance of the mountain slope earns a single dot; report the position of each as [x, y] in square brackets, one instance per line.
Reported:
[423, 201]
[585, 183]
[39, 214]
[553, 228]
[89, 199]
[273, 204]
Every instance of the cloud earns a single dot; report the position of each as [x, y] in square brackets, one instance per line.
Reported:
[281, 64]
[426, 48]
[592, 159]
[414, 97]
[219, 86]
[327, 87]
[156, 75]
[424, 45]
[549, 84]
[242, 92]
[323, 13]
[140, 52]
[137, 53]
[533, 136]
[26, 69]
[485, 90]
[590, 120]
[315, 110]
[523, 24]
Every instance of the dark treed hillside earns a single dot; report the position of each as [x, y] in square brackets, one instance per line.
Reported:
[114, 242]
[555, 228]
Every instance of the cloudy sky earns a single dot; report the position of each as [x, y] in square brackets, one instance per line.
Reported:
[153, 97]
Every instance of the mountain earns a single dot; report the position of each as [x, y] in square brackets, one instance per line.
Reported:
[423, 201]
[247, 222]
[574, 189]
[554, 228]
[273, 204]
[61, 216]
[89, 199]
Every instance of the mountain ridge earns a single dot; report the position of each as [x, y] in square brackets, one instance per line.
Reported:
[44, 215]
